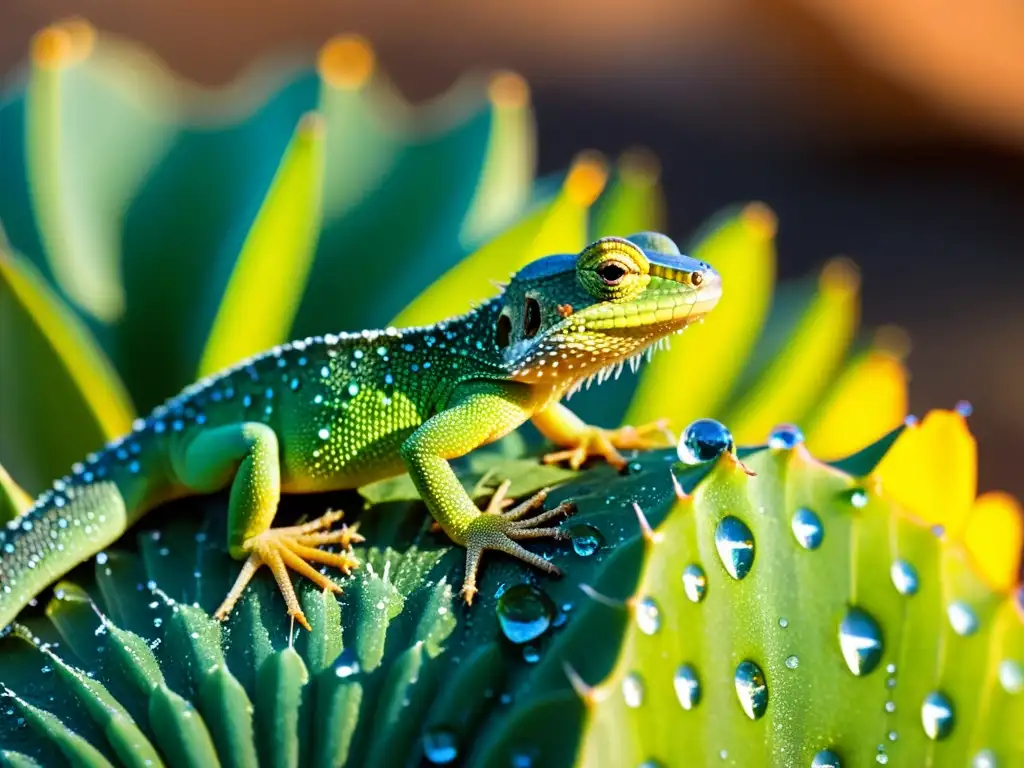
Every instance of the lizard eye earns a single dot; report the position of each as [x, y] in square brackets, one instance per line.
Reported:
[696, 278]
[611, 272]
[504, 331]
[531, 318]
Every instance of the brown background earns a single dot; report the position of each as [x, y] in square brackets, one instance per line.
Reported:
[892, 132]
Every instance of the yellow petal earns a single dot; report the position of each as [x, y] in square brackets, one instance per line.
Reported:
[994, 535]
[868, 401]
[932, 470]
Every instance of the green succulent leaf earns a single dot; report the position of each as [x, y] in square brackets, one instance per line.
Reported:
[269, 278]
[61, 396]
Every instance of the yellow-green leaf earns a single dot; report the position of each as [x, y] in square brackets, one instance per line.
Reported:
[266, 286]
[634, 201]
[557, 227]
[61, 396]
[13, 500]
[707, 358]
[801, 371]
[867, 401]
[507, 176]
[91, 138]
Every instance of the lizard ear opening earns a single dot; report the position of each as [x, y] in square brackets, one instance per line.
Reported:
[531, 318]
[504, 336]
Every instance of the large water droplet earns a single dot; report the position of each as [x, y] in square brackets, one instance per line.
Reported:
[440, 746]
[857, 498]
[962, 618]
[792, 662]
[735, 544]
[751, 689]
[1011, 676]
[648, 618]
[586, 539]
[964, 408]
[695, 582]
[687, 686]
[826, 759]
[904, 577]
[347, 664]
[524, 612]
[986, 758]
[633, 690]
[807, 528]
[937, 715]
[704, 440]
[785, 437]
[860, 639]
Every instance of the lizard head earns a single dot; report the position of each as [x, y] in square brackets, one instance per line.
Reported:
[564, 318]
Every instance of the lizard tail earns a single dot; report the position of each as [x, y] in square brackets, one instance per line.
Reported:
[66, 526]
[78, 517]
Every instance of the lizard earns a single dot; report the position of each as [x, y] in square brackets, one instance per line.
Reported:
[342, 410]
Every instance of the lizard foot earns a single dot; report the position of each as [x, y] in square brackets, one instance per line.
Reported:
[595, 441]
[501, 530]
[295, 547]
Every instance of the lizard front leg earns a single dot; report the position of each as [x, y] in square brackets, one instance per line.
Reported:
[581, 440]
[247, 456]
[477, 415]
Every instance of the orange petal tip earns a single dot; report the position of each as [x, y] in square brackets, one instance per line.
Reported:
[52, 47]
[840, 275]
[761, 219]
[508, 90]
[346, 61]
[587, 178]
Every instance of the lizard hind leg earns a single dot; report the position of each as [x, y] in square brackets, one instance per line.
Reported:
[247, 456]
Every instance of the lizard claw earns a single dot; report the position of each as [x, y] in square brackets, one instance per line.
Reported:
[595, 441]
[295, 547]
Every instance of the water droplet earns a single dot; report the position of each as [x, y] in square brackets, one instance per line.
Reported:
[783, 622]
[904, 577]
[695, 582]
[633, 690]
[647, 616]
[937, 715]
[324, 433]
[792, 662]
[751, 689]
[735, 544]
[860, 639]
[586, 539]
[440, 746]
[964, 408]
[962, 618]
[893, 735]
[890, 706]
[530, 654]
[785, 437]
[687, 686]
[353, 389]
[826, 758]
[704, 440]
[857, 498]
[524, 613]
[807, 528]
[1011, 676]
[986, 758]
[347, 664]
[295, 385]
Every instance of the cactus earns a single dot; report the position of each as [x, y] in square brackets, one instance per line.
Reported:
[751, 606]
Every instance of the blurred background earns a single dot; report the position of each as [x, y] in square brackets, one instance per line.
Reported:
[890, 132]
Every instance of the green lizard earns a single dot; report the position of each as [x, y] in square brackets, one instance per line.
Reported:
[340, 411]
